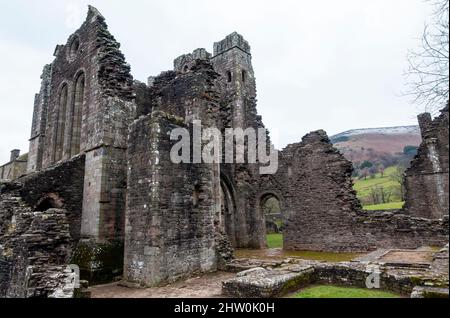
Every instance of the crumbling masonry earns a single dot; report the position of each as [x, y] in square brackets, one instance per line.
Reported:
[100, 191]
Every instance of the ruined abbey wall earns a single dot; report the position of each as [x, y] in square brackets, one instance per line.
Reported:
[34, 247]
[59, 187]
[327, 215]
[427, 179]
[171, 208]
[84, 106]
[321, 203]
[99, 175]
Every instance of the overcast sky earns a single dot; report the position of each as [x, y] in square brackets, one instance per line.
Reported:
[333, 65]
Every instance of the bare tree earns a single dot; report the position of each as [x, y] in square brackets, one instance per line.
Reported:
[428, 73]
[375, 195]
[398, 176]
[381, 169]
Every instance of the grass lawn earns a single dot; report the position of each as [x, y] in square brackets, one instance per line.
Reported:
[275, 240]
[341, 292]
[364, 187]
[385, 206]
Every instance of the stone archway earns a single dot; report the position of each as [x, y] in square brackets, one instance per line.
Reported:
[227, 218]
[49, 201]
[271, 211]
[271, 208]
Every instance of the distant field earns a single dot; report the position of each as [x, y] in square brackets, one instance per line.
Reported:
[275, 240]
[364, 188]
[385, 206]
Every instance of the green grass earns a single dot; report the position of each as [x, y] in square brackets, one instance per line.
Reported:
[363, 188]
[275, 240]
[342, 292]
[385, 206]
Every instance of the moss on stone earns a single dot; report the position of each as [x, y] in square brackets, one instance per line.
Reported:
[99, 263]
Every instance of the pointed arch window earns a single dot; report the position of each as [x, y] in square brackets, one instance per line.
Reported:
[60, 122]
[77, 113]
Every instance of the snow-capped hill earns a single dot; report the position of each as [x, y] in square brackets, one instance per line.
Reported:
[415, 130]
[376, 144]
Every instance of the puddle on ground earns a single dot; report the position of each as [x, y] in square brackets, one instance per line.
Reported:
[278, 253]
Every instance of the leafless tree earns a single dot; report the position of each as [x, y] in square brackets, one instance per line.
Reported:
[428, 72]
[381, 169]
[379, 194]
[375, 195]
[398, 176]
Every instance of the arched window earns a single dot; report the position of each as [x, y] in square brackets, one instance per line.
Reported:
[60, 123]
[77, 112]
[74, 48]
[229, 78]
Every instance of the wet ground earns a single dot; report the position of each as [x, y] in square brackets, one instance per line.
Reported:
[210, 285]
[278, 253]
[205, 286]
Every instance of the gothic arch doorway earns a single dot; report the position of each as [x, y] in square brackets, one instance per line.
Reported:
[272, 212]
[227, 217]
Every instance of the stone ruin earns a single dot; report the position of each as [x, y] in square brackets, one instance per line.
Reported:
[426, 180]
[100, 191]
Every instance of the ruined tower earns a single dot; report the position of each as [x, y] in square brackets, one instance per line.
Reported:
[233, 60]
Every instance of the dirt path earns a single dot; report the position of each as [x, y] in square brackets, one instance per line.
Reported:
[205, 286]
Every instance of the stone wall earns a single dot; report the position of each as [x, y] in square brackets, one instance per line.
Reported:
[85, 90]
[322, 212]
[14, 169]
[85, 105]
[170, 230]
[427, 179]
[40, 110]
[320, 201]
[385, 229]
[34, 248]
[58, 187]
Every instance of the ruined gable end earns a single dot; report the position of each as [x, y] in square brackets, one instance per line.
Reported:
[427, 179]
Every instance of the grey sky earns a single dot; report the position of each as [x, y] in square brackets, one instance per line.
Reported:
[333, 65]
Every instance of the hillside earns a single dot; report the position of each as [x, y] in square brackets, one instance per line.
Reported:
[384, 146]
[379, 157]
[381, 191]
